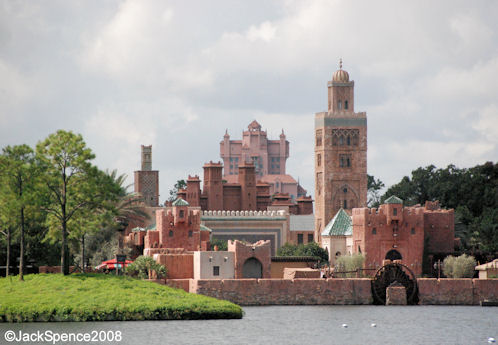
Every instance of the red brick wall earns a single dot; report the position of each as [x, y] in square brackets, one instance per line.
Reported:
[446, 291]
[231, 197]
[286, 291]
[440, 229]
[179, 266]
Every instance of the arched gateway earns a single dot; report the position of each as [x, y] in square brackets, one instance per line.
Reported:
[252, 269]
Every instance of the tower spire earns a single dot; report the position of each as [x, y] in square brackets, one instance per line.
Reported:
[340, 63]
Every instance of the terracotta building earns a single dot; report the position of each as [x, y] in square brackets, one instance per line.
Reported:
[244, 193]
[340, 153]
[178, 226]
[147, 180]
[395, 232]
[268, 157]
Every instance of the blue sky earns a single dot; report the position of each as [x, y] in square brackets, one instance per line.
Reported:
[176, 74]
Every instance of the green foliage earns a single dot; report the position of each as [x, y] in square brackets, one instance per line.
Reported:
[180, 184]
[73, 188]
[99, 297]
[143, 266]
[348, 263]
[462, 266]
[221, 244]
[374, 187]
[472, 192]
[310, 249]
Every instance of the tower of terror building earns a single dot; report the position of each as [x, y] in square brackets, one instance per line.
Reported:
[340, 153]
[147, 180]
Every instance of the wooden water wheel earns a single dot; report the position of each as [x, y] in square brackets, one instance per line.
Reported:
[389, 274]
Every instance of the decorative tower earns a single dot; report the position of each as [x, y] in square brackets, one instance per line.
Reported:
[340, 153]
[213, 185]
[147, 180]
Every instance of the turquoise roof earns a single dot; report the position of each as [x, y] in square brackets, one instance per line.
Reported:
[205, 228]
[180, 202]
[340, 225]
[393, 199]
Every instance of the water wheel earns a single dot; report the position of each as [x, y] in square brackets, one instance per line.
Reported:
[390, 273]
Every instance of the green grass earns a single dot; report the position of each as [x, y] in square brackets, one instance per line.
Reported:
[99, 297]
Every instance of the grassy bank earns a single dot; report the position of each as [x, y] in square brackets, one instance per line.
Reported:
[99, 297]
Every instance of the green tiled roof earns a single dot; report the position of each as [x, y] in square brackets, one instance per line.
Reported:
[180, 202]
[393, 199]
[205, 228]
[340, 225]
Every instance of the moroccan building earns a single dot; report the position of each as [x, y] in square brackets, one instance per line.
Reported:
[244, 192]
[397, 232]
[147, 180]
[268, 157]
[340, 153]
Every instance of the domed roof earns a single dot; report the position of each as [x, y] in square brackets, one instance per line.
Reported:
[340, 75]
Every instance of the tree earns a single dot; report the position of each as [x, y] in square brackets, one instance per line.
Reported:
[374, 187]
[19, 172]
[310, 249]
[180, 184]
[71, 184]
[462, 266]
[143, 266]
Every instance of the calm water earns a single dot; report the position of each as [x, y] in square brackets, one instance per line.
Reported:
[304, 325]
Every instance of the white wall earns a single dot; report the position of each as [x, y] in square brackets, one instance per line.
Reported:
[205, 261]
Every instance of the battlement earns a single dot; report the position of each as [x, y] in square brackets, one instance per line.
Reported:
[246, 214]
[213, 164]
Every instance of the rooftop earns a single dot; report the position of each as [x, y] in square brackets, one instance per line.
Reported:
[340, 225]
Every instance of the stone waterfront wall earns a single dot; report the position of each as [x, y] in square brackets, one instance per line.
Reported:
[286, 291]
[456, 291]
[335, 291]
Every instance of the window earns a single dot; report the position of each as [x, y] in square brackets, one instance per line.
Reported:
[374, 231]
[348, 140]
[345, 190]
[171, 233]
[341, 140]
[216, 270]
[345, 204]
[413, 231]
[190, 233]
[345, 160]
[310, 238]
[395, 211]
[182, 213]
[319, 137]
[346, 104]
[319, 160]
[339, 105]
[299, 238]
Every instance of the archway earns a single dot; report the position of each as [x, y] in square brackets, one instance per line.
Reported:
[393, 254]
[252, 269]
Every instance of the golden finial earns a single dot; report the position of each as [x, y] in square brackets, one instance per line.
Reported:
[340, 63]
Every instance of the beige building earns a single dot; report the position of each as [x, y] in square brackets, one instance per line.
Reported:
[337, 237]
[214, 265]
[340, 153]
[488, 270]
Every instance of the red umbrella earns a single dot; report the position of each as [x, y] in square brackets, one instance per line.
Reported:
[111, 264]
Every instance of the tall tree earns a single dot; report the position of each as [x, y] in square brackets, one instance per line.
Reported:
[180, 184]
[374, 187]
[72, 183]
[19, 172]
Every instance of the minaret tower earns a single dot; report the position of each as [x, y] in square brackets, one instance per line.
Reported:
[340, 153]
[147, 180]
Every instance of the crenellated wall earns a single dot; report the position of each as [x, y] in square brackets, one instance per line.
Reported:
[335, 291]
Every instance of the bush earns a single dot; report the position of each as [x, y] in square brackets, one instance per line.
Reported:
[310, 249]
[349, 263]
[143, 266]
[462, 266]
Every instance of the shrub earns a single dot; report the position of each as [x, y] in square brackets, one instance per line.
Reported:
[310, 249]
[349, 263]
[143, 266]
[462, 266]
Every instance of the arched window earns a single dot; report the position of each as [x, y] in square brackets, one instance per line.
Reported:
[339, 105]
[345, 204]
[171, 233]
[346, 105]
[349, 140]
[341, 140]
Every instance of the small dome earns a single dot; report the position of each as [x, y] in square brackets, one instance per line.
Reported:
[340, 75]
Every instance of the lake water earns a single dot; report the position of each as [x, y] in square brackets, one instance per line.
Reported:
[301, 325]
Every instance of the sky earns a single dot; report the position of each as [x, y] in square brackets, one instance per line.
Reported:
[177, 74]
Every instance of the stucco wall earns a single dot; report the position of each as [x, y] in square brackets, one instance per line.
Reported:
[205, 261]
